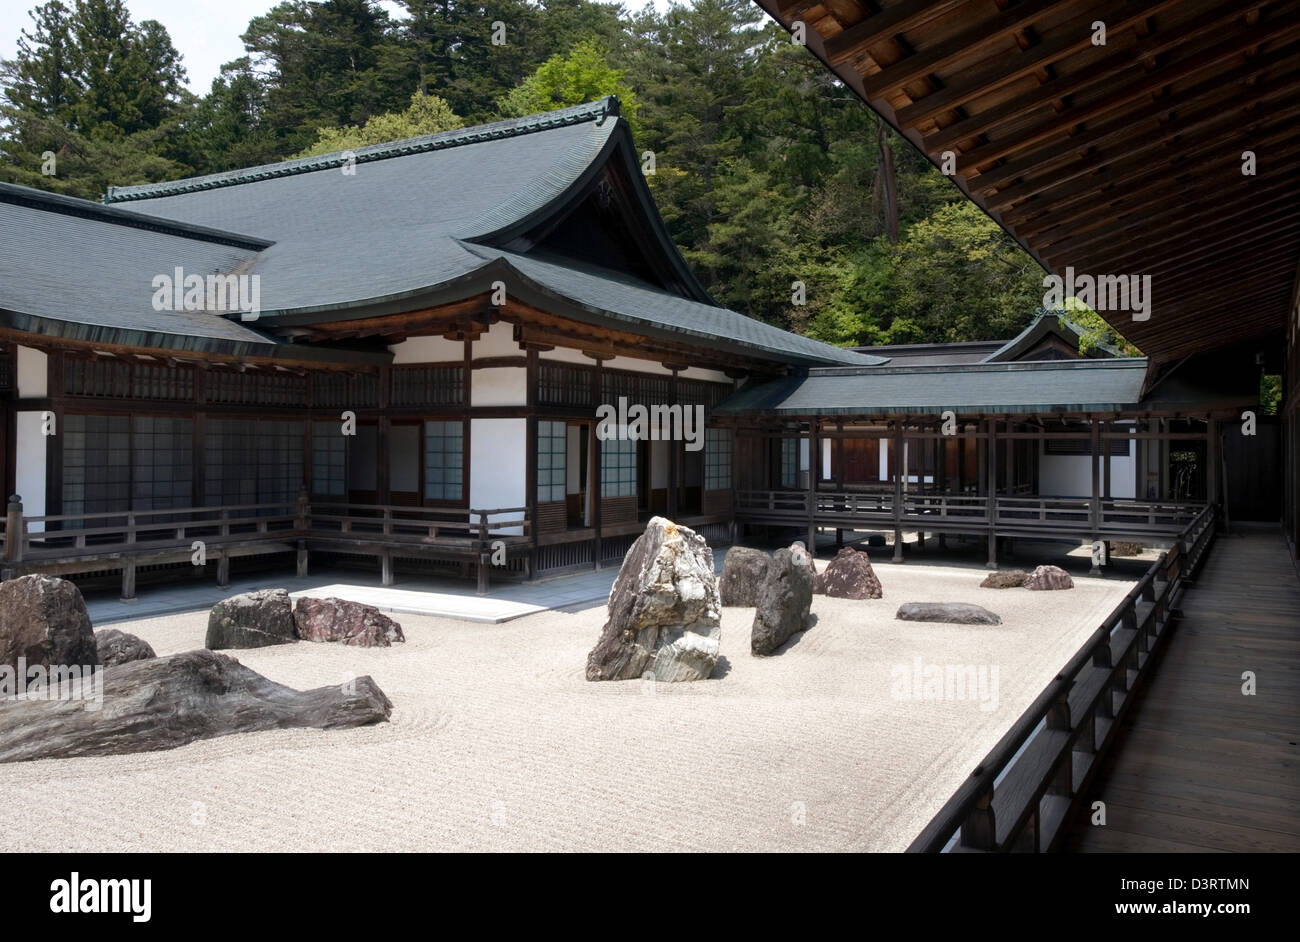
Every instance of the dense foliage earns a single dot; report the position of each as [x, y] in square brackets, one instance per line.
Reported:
[791, 200]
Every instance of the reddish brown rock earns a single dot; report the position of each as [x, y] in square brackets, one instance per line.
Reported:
[1125, 548]
[44, 621]
[362, 626]
[1049, 577]
[848, 576]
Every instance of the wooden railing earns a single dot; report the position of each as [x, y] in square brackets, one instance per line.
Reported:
[1019, 797]
[1067, 515]
[61, 543]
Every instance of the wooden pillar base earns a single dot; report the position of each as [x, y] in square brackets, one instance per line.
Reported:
[484, 561]
[302, 562]
[386, 567]
[223, 571]
[943, 541]
[839, 537]
[128, 582]
[993, 552]
[898, 546]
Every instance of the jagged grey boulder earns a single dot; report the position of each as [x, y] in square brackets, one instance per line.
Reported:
[1049, 577]
[849, 576]
[784, 601]
[251, 620]
[118, 647]
[952, 613]
[44, 621]
[743, 572]
[1005, 579]
[664, 612]
[167, 702]
[351, 623]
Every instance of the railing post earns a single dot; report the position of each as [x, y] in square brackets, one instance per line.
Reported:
[1058, 718]
[979, 830]
[14, 533]
[484, 554]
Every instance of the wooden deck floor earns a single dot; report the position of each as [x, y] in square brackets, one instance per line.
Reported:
[1199, 766]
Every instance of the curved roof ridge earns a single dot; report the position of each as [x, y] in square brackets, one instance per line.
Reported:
[512, 127]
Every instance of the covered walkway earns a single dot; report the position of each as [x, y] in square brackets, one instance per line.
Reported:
[1200, 766]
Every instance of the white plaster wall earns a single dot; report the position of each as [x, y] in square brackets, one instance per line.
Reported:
[826, 458]
[32, 374]
[499, 386]
[566, 355]
[29, 458]
[498, 463]
[1071, 475]
[427, 350]
[497, 341]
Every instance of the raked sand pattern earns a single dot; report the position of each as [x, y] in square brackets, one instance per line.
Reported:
[497, 742]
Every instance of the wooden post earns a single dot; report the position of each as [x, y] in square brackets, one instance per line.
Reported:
[991, 491]
[14, 531]
[674, 455]
[484, 553]
[531, 372]
[979, 830]
[128, 564]
[1212, 462]
[814, 472]
[896, 463]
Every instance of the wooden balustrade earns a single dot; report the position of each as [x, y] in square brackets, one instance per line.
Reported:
[1021, 794]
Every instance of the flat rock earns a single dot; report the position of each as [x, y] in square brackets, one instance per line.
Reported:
[784, 601]
[44, 621]
[1005, 579]
[849, 576]
[743, 572]
[952, 613]
[118, 647]
[1125, 548]
[251, 620]
[165, 702]
[351, 623]
[664, 611]
[1049, 577]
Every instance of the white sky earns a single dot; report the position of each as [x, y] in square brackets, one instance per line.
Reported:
[205, 31]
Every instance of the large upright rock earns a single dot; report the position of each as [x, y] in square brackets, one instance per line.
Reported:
[784, 601]
[849, 576]
[353, 623]
[664, 611]
[1049, 577]
[117, 647]
[44, 621]
[743, 572]
[251, 620]
[798, 549]
[165, 702]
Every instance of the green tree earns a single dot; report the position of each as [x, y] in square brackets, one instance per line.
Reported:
[427, 114]
[583, 74]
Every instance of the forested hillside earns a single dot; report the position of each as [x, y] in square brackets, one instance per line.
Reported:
[766, 170]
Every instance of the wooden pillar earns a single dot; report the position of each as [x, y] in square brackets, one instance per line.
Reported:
[530, 449]
[991, 493]
[1094, 447]
[594, 476]
[896, 463]
[1105, 461]
[814, 472]
[674, 456]
[1212, 462]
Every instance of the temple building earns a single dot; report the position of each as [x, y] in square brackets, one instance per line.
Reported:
[399, 355]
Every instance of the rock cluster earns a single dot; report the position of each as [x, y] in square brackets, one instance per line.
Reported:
[118, 647]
